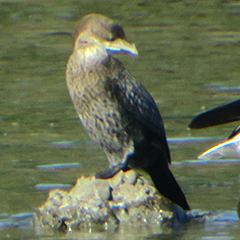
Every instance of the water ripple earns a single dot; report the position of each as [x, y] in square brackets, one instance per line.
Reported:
[218, 161]
[48, 187]
[58, 166]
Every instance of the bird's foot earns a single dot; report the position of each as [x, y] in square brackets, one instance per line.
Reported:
[112, 171]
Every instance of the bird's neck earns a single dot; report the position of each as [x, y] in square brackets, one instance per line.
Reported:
[91, 51]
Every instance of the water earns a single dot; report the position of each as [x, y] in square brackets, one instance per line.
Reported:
[188, 60]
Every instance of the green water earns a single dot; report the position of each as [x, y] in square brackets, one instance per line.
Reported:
[188, 52]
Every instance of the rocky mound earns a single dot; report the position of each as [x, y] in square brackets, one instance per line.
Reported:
[126, 199]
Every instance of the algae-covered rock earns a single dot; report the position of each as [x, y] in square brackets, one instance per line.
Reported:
[94, 203]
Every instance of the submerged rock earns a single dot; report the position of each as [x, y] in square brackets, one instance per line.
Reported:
[126, 199]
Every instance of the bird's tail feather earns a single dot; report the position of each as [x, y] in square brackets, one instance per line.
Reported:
[167, 185]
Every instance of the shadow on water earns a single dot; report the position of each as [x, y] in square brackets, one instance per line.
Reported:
[189, 62]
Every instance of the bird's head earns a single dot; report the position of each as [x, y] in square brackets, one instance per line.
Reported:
[96, 28]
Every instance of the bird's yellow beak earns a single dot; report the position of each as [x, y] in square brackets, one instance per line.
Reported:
[120, 46]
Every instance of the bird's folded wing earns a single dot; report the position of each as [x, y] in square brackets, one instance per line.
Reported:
[140, 105]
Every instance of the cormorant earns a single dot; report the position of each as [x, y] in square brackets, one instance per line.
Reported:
[220, 115]
[116, 110]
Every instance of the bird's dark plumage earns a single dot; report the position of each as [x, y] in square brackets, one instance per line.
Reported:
[220, 115]
[116, 110]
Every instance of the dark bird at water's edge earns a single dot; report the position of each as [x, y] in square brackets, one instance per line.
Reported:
[116, 110]
[220, 115]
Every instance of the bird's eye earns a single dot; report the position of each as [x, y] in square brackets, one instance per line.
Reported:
[111, 38]
[117, 32]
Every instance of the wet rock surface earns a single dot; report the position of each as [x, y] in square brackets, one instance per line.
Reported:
[126, 199]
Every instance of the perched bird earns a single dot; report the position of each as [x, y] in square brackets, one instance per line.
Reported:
[220, 115]
[117, 111]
